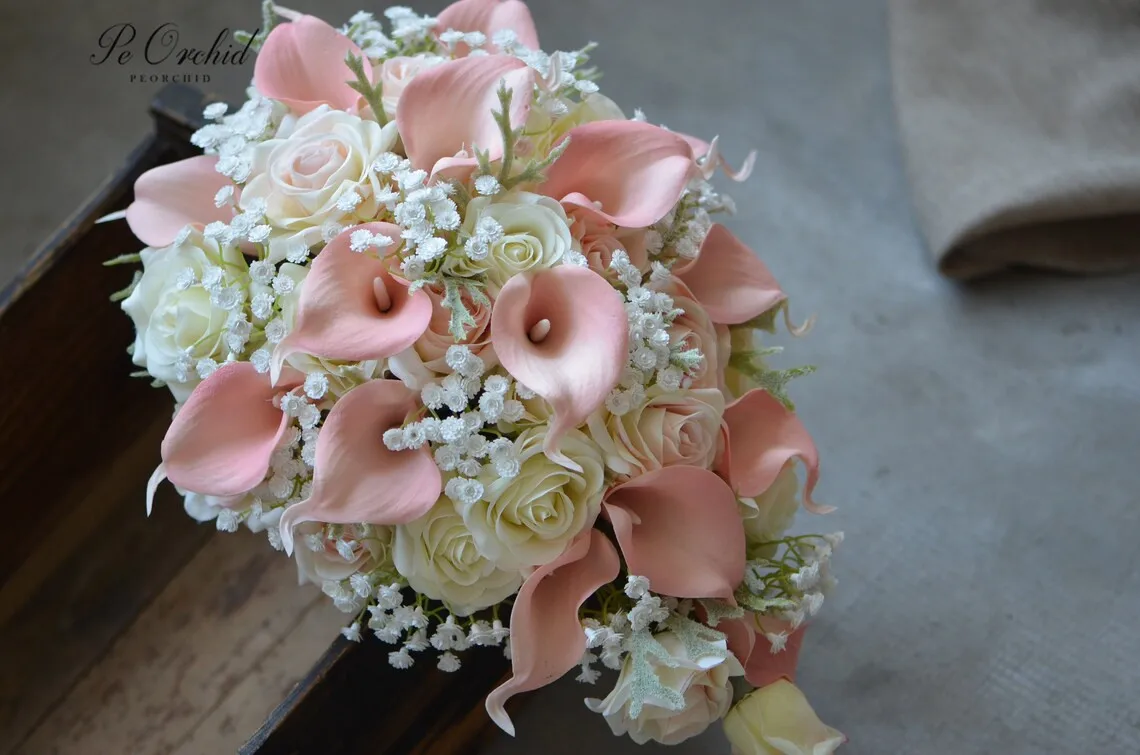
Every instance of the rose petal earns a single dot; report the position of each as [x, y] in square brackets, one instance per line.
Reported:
[356, 477]
[576, 366]
[637, 171]
[680, 528]
[221, 441]
[546, 635]
[302, 65]
[762, 436]
[729, 280]
[172, 196]
[750, 644]
[490, 16]
[338, 314]
[450, 109]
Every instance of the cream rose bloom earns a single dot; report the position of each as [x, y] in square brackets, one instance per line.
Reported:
[535, 235]
[668, 429]
[177, 322]
[529, 519]
[303, 179]
[438, 556]
[704, 683]
[549, 131]
[769, 515]
[327, 563]
[777, 720]
[395, 73]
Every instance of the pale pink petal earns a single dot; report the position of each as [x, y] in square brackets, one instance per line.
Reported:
[762, 436]
[356, 478]
[710, 151]
[729, 280]
[574, 367]
[221, 440]
[750, 644]
[680, 528]
[546, 635]
[449, 109]
[172, 196]
[490, 16]
[636, 171]
[302, 65]
[338, 313]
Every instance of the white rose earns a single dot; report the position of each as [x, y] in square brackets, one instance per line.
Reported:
[303, 178]
[704, 683]
[529, 519]
[549, 131]
[395, 73]
[327, 563]
[176, 325]
[669, 429]
[535, 235]
[438, 556]
[778, 720]
[769, 515]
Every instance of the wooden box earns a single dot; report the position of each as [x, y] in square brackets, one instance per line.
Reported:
[120, 633]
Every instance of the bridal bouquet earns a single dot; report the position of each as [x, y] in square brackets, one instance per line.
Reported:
[463, 340]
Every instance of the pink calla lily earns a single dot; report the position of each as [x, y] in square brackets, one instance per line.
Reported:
[680, 528]
[172, 196]
[489, 17]
[748, 641]
[625, 172]
[357, 478]
[352, 308]
[562, 333]
[729, 280]
[448, 111]
[546, 635]
[762, 435]
[221, 441]
[302, 65]
[711, 159]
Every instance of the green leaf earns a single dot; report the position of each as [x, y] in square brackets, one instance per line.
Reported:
[123, 259]
[717, 610]
[461, 319]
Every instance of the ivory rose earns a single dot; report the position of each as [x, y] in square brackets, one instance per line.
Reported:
[549, 130]
[438, 556]
[668, 429]
[704, 683]
[304, 179]
[535, 235]
[326, 563]
[395, 73]
[769, 515]
[778, 720]
[529, 519]
[177, 321]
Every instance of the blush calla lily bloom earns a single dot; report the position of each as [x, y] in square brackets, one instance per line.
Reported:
[448, 111]
[352, 308]
[546, 635]
[729, 280]
[679, 527]
[748, 641]
[712, 159]
[357, 478]
[302, 65]
[562, 333]
[490, 17]
[627, 173]
[172, 196]
[221, 441]
[761, 436]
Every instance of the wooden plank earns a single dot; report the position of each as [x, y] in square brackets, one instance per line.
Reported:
[219, 621]
[422, 710]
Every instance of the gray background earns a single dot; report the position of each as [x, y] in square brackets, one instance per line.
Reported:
[980, 441]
